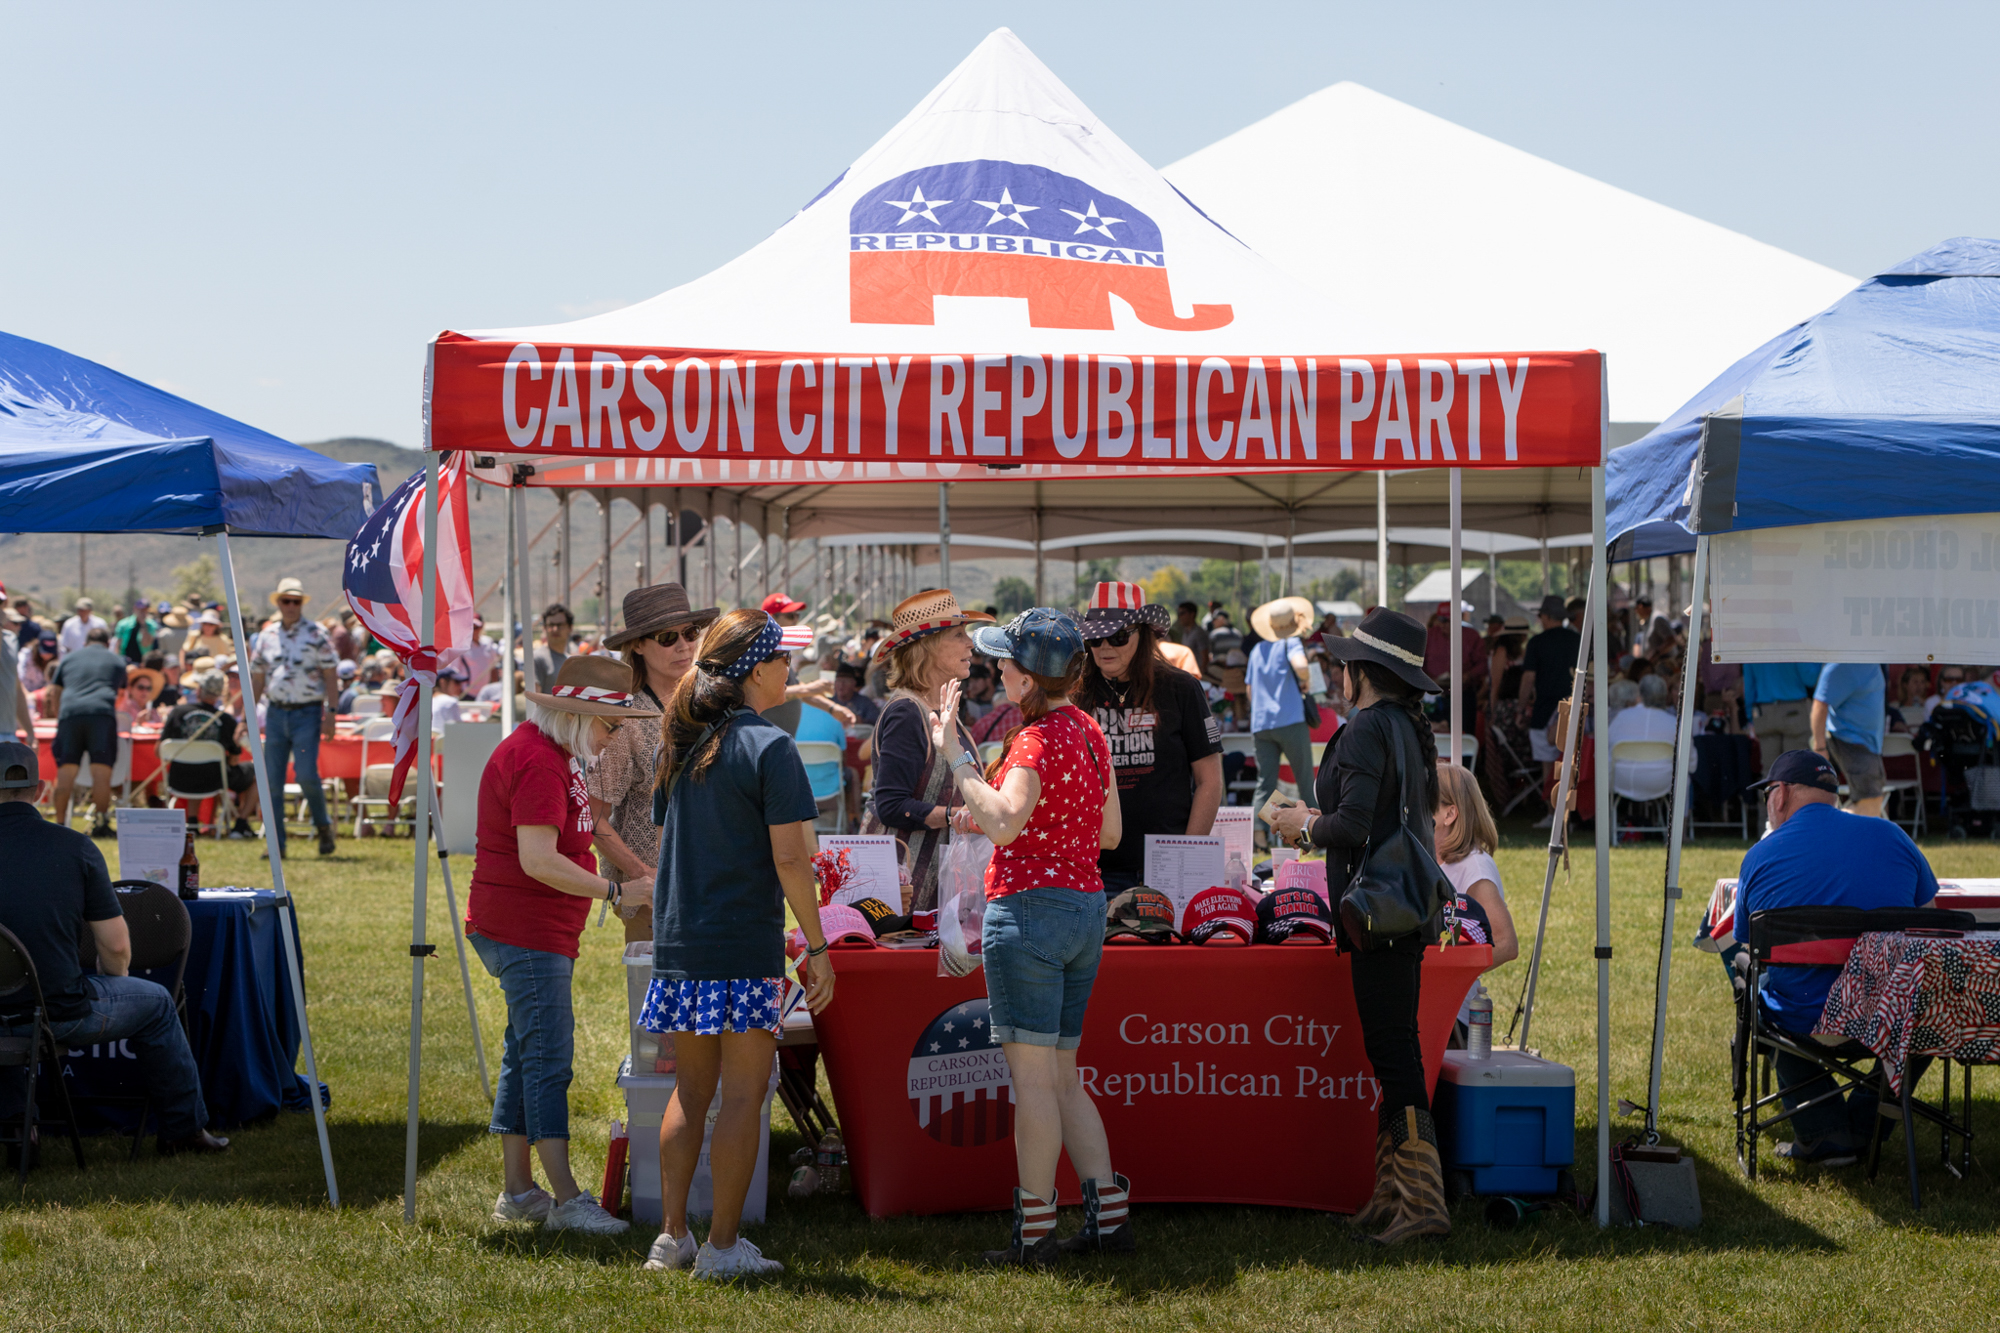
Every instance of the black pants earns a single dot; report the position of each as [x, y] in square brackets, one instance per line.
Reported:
[1386, 985]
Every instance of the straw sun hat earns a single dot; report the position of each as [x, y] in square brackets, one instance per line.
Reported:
[923, 613]
[596, 687]
[1300, 610]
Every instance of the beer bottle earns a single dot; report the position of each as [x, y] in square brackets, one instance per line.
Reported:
[190, 874]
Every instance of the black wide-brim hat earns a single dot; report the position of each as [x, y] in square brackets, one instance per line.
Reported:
[1390, 638]
[652, 609]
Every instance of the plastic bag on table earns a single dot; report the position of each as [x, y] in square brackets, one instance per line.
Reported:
[962, 903]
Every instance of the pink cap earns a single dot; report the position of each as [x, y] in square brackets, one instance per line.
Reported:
[841, 922]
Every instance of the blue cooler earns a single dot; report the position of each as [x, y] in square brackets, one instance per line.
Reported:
[1508, 1121]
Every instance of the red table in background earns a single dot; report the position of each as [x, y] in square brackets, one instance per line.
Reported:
[1223, 1074]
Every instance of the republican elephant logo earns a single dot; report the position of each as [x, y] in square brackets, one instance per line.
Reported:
[990, 228]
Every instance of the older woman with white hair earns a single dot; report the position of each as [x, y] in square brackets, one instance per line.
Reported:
[533, 884]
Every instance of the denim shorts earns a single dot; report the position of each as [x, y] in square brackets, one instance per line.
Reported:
[531, 1097]
[1040, 949]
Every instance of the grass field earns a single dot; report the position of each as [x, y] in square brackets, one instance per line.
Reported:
[246, 1241]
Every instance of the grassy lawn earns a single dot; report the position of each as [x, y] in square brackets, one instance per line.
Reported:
[246, 1241]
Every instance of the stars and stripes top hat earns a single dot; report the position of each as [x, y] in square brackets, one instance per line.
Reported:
[595, 686]
[1116, 605]
[924, 613]
[1390, 638]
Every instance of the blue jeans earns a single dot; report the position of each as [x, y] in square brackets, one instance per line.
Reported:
[291, 735]
[532, 1096]
[1040, 949]
[1295, 742]
[1846, 1121]
[132, 1009]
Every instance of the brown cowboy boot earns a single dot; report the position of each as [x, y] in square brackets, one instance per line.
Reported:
[1379, 1208]
[1420, 1207]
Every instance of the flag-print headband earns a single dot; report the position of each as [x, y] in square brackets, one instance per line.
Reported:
[769, 640]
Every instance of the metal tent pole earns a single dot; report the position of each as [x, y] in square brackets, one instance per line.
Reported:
[1683, 743]
[1457, 702]
[604, 569]
[1291, 535]
[736, 526]
[1038, 551]
[1524, 1010]
[522, 556]
[944, 534]
[1382, 539]
[785, 556]
[564, 569]
[1601, 825]
[708, 542]
[508, 586]
[646, 539]
[419, 949]
[274, 809]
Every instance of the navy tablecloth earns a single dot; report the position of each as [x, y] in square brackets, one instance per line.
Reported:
[241, 1022]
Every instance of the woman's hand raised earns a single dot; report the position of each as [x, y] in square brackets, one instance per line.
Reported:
[944, 726]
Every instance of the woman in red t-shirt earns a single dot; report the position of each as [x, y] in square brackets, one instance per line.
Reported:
[532, 885]
[1050, 805]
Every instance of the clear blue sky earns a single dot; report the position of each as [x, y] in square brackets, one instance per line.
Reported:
[270, 208]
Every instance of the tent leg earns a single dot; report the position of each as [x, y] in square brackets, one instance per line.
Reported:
[435, 812]
[508, 599]
[1456, 702]
[944, 534]
[426, 633]
[1524, 1011]
[1683, 743]
[1382, 539]
[1600, 671]
[273, 811]
[527, 635]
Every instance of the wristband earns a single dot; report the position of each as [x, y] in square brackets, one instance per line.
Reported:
[613, 893]
[814, 953]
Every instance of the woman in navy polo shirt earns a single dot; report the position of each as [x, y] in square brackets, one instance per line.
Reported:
[736, 818]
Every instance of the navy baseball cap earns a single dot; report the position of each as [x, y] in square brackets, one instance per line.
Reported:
[19, 766]
[1802, 767]
[1041, 641]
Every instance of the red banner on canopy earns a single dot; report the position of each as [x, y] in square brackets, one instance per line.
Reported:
[1519, 409]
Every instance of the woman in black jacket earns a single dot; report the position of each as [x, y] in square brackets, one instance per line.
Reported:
[1360, 802]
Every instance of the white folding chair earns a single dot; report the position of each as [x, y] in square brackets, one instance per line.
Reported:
[820, 754]
[367, 705]
[199, 752]
[990, 751]
[1626, 753]
[1899, 745]
[1240, 742]
[380, 732]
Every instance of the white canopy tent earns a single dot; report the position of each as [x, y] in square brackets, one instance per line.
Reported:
[1487, 245]
[1001, 213]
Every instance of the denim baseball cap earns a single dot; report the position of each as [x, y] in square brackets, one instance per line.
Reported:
[1041, 640]
[1802, 768]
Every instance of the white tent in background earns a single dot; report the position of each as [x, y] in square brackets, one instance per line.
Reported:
[1424, 233]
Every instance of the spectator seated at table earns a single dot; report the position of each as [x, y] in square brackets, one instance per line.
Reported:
[55, 891]
[444, 699]
[1643, 716]
[201, 718]
[1817, 855]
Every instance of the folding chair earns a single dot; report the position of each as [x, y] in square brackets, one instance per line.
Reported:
[1820, 937]
[367, 705]
[1523, 776]
[32, 1052]
[1240, 742]
[374, 786]
[1899, 758]
[826, 769]
[161, 932]
[1658, 806]
[199, 752]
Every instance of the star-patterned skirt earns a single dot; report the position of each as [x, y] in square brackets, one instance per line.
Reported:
[710, 1008]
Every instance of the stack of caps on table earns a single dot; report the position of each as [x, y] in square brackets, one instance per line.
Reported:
[871, 919]
[1294, 913]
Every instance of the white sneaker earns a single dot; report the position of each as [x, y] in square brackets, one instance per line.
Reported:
[1546, 821]
[532, 1206]
[670, 1253]
[584, 1213]
[740, 1260]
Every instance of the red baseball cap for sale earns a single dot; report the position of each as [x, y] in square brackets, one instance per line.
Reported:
[1219, 913]
[1294, 915]
[778, 604]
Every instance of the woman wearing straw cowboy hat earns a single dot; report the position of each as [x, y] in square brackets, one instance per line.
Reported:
[533, 884]
[1277, 676]
[1364, 805]
[926, 649]
[658, 644]
[1165, 744]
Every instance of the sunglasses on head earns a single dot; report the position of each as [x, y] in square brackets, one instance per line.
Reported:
[667, 638]
[1118, 640]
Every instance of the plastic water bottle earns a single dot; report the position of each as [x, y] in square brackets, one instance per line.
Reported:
[832, 1157]
[1479, 1025]
[1236, 876]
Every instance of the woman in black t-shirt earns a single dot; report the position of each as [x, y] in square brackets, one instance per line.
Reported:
[1165, 744]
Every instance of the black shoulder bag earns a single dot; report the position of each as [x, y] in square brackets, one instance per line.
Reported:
[1399, 888]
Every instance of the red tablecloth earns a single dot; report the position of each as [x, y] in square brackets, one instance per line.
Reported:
[1224, 1075]
[1902, 995]
[338, 758]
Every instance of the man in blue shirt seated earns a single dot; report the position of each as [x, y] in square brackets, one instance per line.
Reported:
[1819, 856]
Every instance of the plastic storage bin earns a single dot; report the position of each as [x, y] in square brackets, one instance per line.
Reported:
[645, 1105]
[1508, 1123]
[652, 1052]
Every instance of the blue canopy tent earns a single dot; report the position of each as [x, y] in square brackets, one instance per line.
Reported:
[1884, 405]
[86, 449]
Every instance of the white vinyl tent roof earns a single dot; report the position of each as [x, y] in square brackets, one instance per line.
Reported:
[1424, 233]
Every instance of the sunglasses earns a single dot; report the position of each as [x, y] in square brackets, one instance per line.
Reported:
[291, 601]
[1118, 640]
[611, 725]
[667, 638]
